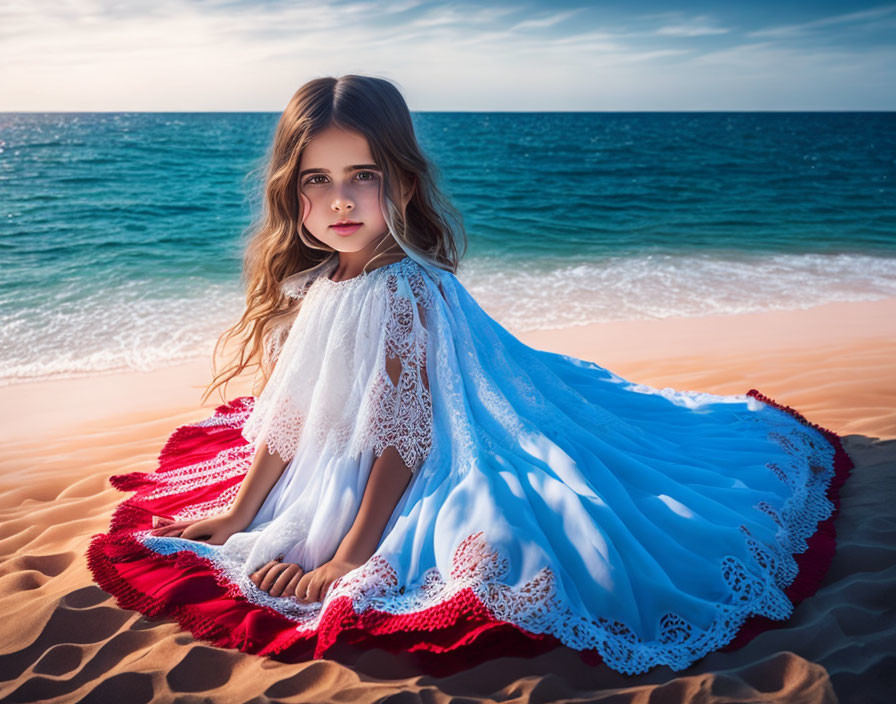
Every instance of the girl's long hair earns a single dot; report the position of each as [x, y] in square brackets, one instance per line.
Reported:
[429, 230]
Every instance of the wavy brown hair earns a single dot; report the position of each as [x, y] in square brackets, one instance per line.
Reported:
[429, 230]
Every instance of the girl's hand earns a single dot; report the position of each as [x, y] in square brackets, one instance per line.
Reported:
[215, 530]
[167, 527]
[314, 585]
[277, 578]
[289, 579]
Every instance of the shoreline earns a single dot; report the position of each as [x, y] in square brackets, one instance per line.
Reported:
[784, 354]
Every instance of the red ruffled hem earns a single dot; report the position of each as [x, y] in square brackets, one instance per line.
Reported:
[453, 635]
[814, 562]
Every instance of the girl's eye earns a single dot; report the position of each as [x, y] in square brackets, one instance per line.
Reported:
[372, 174]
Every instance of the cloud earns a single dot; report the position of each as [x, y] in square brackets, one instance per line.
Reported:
[459, 16]
[549, 21]
[794, 30]
[699, 27]
[245, 55]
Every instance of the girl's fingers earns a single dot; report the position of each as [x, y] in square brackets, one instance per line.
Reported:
[308, 590]
[290, 588]
[258, 574]
[168, 530]
[192, 532]
[284, 578]
[263, 575]
[302, 586]
[175, 527]
[272, 575]
[263, 568]
[313, 592]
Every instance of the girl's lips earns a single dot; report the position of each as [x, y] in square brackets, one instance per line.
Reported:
[346, 229]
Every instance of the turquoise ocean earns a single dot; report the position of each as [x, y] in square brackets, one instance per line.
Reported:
[122, 233]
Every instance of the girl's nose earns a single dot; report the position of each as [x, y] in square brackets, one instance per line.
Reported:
[342, 198]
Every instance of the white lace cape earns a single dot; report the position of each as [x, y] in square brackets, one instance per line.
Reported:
[330, 390]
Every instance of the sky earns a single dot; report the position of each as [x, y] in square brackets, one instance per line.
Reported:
[241, 55]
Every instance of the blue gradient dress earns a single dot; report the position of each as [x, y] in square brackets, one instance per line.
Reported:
[549, 496]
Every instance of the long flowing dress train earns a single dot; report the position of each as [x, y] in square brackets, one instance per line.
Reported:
[551, 499]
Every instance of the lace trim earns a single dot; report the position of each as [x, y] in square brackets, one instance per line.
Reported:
[405, 265]
[299, 284]
[399, 414]
[283, 428]
[227, 464]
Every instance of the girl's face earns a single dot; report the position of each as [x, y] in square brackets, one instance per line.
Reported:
[338, 180]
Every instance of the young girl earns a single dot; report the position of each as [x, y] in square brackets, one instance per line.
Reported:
[412, 476]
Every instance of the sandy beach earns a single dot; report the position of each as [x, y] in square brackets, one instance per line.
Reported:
[63, 638]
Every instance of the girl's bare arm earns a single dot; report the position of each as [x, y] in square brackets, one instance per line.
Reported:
[389, 476]
[262, 475]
